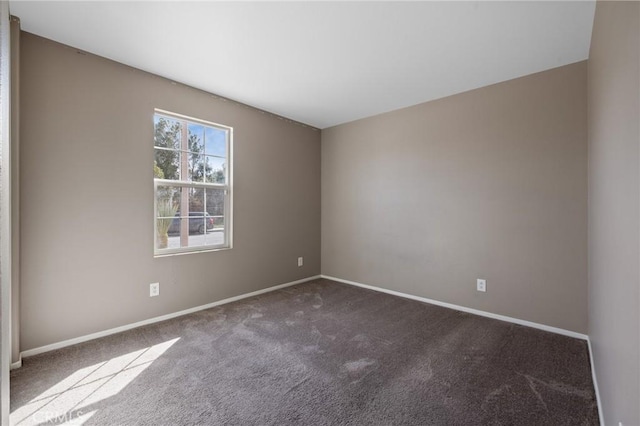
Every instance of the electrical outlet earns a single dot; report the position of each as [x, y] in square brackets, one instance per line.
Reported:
[154, 289]
[300, 261]
[481, 285]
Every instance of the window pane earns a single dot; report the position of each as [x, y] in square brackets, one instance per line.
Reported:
[215, 209]
[215, 142]
[215, 237]
[174, 231]
[196, 201]
[196, 138]
[168, 197]
[166, 164]
[167, 132]
[167, 208]
[197, 167]
[215, 202]
[216, 169]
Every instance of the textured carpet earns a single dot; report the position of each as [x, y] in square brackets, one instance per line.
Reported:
[319, 353]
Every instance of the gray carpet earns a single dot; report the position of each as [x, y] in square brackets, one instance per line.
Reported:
[319, 353]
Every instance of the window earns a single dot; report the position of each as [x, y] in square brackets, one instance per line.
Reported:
[192, 184]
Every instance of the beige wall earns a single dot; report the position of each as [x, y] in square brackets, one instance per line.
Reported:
[490, 183]
[87, 198]
[614, 208]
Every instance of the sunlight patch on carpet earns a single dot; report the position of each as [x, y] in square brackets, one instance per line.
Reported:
[69, 402]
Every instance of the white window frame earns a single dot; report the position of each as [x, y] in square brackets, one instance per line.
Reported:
[227, 187]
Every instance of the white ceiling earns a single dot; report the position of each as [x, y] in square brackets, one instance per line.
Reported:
[323, 63]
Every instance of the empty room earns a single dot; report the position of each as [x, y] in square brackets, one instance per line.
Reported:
[320, 213]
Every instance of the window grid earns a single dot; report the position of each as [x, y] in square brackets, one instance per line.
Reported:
[182, 184]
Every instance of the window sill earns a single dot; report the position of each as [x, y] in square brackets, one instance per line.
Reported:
[195, 250]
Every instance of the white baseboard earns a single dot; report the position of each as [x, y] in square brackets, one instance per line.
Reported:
[595, 382]
[76, 340]
[464, 309]
[16, 364]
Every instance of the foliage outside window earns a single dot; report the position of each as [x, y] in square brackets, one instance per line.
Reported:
[191, 169]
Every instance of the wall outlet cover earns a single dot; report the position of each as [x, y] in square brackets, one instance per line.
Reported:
[154, 289]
